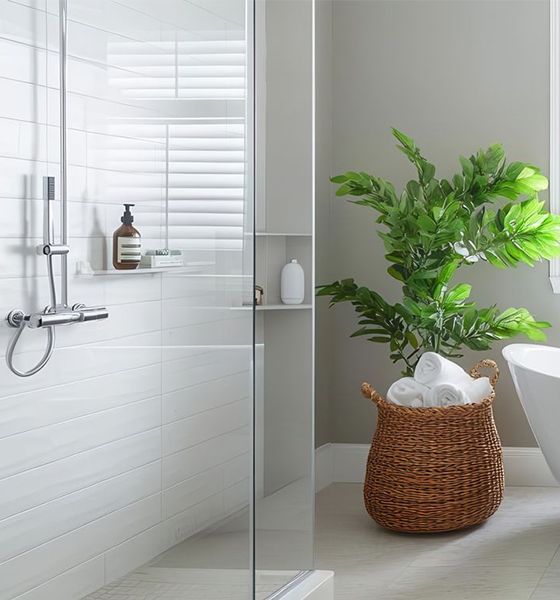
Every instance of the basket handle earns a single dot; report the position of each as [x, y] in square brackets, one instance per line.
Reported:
[370, 393]
[486, 364]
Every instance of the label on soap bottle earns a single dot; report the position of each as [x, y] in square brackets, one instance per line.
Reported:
[129, 249]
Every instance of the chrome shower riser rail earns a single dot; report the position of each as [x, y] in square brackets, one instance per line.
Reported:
[63, 67]
[57, 313]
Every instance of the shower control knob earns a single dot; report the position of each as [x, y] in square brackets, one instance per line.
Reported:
[15, 318]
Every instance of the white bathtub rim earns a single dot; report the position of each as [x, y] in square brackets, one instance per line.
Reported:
[510, 353]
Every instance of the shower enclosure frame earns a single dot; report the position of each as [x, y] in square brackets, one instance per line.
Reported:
[307, 583]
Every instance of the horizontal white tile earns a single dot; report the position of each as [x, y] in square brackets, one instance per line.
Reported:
[92, 28]
[28, 570]
[120, 291]
[230, 10]
[184, 312]
[195, 490]
[37, 526]
[23, 179]
[138, 550]
[101, 18]
[107, 150]
[75, 364]
[37, 104]
[41, 446]
[114, 17]
[10, 140]
[207, 395]
[236, 470]
[21, 24]
[230, 332]
[190, 16]
[37, 486]
[75, 583]
[19, 258]
[204, 456]
[189, 522]
[185, 495]
[200, 364]
[51, 405]
[23, 218]
[219, 289]
[32, 141]
[237, 497]
[209, 424]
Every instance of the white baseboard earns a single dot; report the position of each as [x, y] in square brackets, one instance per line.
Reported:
[324, 466]
[346, 463]
[527, 467]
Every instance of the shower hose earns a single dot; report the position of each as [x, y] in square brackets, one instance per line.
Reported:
[50, 332]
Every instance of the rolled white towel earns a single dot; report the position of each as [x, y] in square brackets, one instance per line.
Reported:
[446, 394]
[433, 369]
[479, 389]
[407, 392]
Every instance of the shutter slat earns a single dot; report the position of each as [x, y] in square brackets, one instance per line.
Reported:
[202, 163]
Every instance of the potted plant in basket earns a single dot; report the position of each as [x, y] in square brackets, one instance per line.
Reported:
[489, 211]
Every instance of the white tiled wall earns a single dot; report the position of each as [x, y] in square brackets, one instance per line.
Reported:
[137, 433]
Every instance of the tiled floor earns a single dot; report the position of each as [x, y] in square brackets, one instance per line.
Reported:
[515, 555]
[156, 583]
[214, 565]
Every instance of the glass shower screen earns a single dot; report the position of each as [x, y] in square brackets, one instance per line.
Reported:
[126, 462]
[164, 451]
[164, 89]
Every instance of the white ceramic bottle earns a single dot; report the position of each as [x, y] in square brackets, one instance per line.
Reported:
[292, 283]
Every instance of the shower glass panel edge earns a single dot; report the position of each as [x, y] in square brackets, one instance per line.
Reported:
[284, 181]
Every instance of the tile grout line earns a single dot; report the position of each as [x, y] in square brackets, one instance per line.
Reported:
[542, 577]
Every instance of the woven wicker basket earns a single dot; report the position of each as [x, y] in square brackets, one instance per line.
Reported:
[434, 469]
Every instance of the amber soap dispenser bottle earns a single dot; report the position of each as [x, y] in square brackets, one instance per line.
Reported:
[127, 243]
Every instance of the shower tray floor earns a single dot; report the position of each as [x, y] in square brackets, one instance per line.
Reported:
[157, 583]
[194, 568]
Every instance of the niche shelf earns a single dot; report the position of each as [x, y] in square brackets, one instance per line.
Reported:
[190, 267]
[284, 307]
[273, 252]
[131, 272]
[275, 234]
[270, 307]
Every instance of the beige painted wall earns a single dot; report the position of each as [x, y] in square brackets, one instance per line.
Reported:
[454, 75]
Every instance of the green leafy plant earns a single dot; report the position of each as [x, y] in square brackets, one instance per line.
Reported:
[489, 211]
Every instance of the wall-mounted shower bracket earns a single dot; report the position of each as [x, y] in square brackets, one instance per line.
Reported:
[49, 247]
[52, 249]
